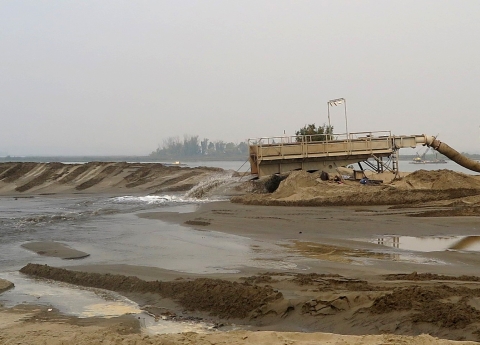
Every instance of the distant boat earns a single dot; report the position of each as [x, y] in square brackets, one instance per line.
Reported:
[421, 159]
[177, 163]
[418, 160]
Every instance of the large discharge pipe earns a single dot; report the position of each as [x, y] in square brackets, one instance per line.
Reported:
[453, 154]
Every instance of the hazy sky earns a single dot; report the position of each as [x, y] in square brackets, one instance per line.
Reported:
[119, 77]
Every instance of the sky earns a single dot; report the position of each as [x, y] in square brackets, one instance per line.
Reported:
[120, 77]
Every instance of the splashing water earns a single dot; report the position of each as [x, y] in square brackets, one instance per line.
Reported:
[148, 199]
[207, 186]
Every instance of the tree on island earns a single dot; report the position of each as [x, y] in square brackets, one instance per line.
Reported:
[192, 148]
[314, 133]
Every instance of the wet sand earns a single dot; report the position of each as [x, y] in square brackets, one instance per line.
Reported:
[345, 283]
[346, 227]
[5, 285]
[55, 249]
[38, 330]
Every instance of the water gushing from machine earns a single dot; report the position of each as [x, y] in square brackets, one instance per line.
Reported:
[217, 184]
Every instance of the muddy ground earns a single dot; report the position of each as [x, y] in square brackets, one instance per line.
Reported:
[350, 287]
[406, 304]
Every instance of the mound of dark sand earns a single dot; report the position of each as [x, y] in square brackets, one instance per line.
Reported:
[431, 305]
[429, 276]
[218, 297]
[316, 302]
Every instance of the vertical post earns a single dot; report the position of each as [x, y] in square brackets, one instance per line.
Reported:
[346, 125]
[328, 111]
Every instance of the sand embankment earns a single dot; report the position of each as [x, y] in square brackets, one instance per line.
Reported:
[403, 304]
[301, 188]
[97, 177]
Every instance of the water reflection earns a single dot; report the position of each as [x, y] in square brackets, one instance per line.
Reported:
[87, 302]
[430, 243]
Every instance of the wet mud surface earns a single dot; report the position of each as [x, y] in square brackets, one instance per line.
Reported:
[219, 297]
[407, 304]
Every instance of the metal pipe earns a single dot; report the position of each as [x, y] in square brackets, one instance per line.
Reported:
[451, 153]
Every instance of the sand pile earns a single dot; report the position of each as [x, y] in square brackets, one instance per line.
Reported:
[304, 186]
[438, 179]
[298, 182]
[307, 189]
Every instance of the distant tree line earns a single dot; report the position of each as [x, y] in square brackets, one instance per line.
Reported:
[193, 147]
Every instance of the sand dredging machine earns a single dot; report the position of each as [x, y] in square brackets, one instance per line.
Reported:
[377, 150]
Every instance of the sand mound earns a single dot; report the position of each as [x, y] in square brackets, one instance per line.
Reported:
[432, 305]
[218, 297]
[296, 181]
[437, 179]
[304, 189]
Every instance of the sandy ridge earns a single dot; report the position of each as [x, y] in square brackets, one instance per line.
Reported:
[97, 177]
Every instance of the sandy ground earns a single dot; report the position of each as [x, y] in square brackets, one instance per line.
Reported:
[98, 177]
[14, 329]
[335, 295]
[55, 249]
[353, 291]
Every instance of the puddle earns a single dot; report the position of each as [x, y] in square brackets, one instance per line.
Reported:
[358, 256]
[87, 302]
[430, 243]
[68, 299]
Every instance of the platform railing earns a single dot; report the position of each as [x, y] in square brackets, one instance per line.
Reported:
[347, 142]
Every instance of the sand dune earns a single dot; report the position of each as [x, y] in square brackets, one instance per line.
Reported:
[97, 177]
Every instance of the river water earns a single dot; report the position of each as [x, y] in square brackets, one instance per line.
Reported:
[109, 229]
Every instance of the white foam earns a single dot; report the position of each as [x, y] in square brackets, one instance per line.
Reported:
[202, 192]
[148, 199]
[159, 200]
